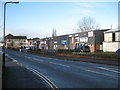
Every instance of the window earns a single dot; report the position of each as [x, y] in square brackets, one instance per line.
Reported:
[113, 37]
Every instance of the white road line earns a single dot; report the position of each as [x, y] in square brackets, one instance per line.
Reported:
[101, 73]
[34, 59]
[108, 69]
[38, 60]
[59, 64]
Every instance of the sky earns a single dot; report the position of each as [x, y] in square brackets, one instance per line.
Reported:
[37, 19]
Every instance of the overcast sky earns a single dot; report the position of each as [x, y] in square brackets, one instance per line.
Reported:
[37, 19]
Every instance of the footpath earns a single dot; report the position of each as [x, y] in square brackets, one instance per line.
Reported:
[15, 76]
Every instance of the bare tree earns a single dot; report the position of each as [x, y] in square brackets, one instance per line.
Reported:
[54, 33]
[87, 24]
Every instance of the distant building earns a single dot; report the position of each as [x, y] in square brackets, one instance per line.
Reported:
[93, 39]
[36, 42]
[59, 42]
[111, 40]
[45, 43]
[15, 41]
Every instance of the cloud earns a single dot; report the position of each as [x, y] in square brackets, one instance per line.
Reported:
[90, 5]
[80, 10]
[83, 4]
[83, 10]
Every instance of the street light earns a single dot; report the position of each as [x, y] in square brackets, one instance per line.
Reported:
[4, 30]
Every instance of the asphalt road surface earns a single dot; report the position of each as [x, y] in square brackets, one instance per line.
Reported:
[69, 74]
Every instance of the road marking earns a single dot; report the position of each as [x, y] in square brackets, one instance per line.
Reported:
[59, 64]
[34, 59]
[108, 69]
[49, 82]
[45, 78]
[40, 76]
[99, 73]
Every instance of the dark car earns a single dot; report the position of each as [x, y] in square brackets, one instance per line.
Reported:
[78, 49]
[85, 49]
[118, 51]
[82, 49]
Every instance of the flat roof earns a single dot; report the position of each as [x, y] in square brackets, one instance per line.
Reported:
[112, 30]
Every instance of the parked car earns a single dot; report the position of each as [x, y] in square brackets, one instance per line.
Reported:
[118, 51]
[27, 48]
[78, 49]
[85, 49]
[82, 49]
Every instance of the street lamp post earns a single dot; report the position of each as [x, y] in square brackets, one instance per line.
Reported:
[4, 31]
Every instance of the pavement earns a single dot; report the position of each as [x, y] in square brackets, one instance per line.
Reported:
[15, 76]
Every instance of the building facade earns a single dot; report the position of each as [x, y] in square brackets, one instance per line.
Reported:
[93, 39]
[15, 41]
[111, 40]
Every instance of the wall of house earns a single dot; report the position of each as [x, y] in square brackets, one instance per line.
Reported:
[14, 43]
[117, 36]
[111, 46]
[108, 37]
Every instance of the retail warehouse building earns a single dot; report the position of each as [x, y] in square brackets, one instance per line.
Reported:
[93, 39]
[111, 40]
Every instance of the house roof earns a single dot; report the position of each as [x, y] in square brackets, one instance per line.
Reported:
[9, 35]
[16, 37]
[82, 32]
[36, 38]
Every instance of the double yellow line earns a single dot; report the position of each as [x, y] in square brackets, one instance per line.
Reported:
[49, 82]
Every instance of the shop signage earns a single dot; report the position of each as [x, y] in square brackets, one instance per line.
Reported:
[63, 41]
[90, 34]
[55, 41]
[84, 39]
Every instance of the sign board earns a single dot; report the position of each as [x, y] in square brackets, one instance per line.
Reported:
[70, 35]
[77, 39]
[90, 34]
[84, 39]
[63, 41]
[55, 41]
[76, 34]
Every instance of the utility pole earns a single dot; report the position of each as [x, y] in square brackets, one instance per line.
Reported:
[3, 49]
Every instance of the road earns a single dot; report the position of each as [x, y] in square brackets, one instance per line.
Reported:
[69, 74]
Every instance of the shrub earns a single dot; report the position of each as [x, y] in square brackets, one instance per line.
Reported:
[64, 51]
